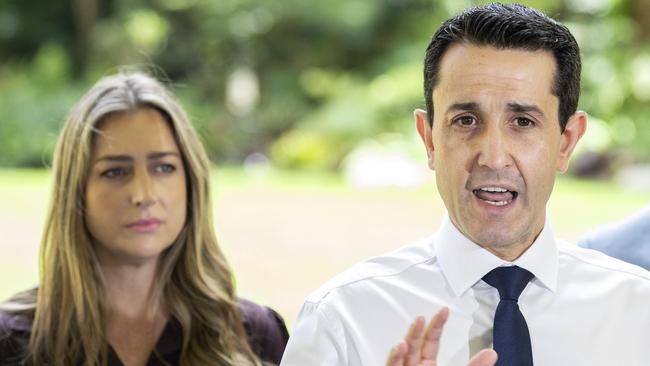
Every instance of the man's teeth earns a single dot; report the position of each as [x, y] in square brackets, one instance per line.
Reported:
[494, 189]
[497, 203]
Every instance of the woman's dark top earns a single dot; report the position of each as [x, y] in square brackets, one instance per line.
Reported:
[265, 329]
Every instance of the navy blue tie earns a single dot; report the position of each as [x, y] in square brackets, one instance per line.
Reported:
[510, 334]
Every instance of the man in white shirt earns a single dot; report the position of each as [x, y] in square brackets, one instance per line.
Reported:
[504, 82]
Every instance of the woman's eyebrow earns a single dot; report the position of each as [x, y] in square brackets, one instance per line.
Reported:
[163, 154]
[129, 158]
[118, 158]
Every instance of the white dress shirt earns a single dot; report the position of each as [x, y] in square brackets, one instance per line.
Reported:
[582, 307]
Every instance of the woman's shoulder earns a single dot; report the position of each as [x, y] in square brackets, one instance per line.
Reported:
[11, 322]
[14, 337]
[267, 334]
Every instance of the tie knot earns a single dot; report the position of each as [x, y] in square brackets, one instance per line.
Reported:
[509, 281]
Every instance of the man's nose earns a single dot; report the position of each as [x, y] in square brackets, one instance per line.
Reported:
[142, 190]
[494, 149]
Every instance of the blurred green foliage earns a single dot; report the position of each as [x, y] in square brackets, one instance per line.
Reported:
[300, 81]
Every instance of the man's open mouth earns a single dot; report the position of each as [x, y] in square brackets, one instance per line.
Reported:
[496, 196]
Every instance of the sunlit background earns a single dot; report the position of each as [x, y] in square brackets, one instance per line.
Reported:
[306, 109]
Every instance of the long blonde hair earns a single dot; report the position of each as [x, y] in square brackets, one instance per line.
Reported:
[196, 285]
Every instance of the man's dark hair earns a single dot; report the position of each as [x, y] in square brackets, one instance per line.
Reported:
[510, 26]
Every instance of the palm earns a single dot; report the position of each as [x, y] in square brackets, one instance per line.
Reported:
[420, 347]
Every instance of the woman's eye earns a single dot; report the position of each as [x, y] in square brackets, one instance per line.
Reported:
[465, 121]
[524, 122]
[114, 173]
[165, 168]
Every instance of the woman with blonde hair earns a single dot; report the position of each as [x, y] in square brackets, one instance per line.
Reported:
[130, 270]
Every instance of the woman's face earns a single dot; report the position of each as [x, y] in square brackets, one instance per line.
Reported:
[136, 195]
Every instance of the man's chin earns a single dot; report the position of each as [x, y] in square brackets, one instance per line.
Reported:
[494, 241]
[502, 242]
[497, 233]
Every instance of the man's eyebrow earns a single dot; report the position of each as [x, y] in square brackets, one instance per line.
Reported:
[464, 106]
[129, 158]
[525, 108]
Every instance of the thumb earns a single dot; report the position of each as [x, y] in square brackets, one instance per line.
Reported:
[486, 357]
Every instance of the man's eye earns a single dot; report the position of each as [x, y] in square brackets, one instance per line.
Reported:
[114, 173]
[465, 121]
[524, 122]
[165, 168]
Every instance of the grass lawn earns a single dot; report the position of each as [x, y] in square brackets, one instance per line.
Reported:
[286, 233]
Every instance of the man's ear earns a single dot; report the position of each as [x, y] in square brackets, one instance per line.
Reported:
[575, 128]
[424, 130]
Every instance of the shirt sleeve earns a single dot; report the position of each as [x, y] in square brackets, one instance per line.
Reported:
[267, 334]
[273, 344]
[317, 339]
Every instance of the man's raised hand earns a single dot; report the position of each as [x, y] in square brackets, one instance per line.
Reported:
[420, 346]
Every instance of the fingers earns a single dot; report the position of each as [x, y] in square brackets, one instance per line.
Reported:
[414, 339]
[397, 355]
[420, 346]
[486, 357]
[431, 343]
[407, 352]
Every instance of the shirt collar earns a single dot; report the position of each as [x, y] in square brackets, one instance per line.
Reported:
[464, 263]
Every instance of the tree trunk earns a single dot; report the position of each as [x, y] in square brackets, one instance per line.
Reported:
[641, 14]
[85, 17]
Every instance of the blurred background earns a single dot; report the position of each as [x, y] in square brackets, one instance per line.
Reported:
[305, 107]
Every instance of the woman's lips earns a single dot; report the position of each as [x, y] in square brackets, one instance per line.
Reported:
[144, 225]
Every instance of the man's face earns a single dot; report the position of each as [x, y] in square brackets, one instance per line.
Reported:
[496, 144]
